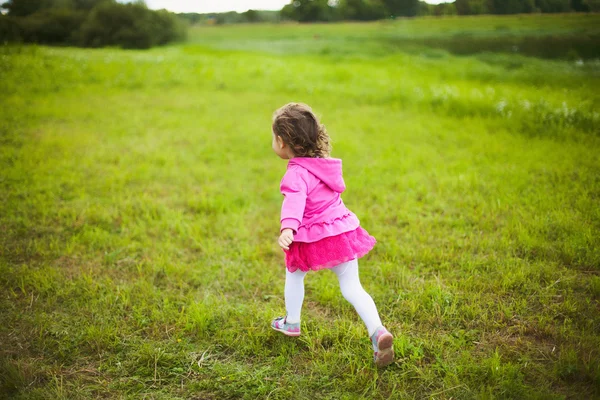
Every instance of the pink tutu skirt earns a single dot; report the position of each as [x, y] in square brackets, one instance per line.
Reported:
[329, 252]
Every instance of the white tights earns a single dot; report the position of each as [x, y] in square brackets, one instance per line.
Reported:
[352, 291]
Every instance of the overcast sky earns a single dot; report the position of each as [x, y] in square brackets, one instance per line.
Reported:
[205, 6]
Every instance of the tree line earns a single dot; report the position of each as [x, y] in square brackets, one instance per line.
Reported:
[367, 10]
[364, 10]
[231, 17]
[89, 23]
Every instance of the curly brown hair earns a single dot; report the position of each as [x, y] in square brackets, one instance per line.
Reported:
[300, 129]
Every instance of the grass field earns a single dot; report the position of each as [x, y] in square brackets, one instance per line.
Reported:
[140, 210]
[562, 36]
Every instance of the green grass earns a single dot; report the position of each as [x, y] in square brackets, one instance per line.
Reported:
[140, 208]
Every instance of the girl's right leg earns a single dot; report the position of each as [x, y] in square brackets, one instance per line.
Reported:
[353, 291]
[294, 296]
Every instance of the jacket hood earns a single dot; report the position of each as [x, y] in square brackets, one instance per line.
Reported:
[328, 170]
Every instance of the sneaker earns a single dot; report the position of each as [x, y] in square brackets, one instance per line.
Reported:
[383, 347]
[279, 324]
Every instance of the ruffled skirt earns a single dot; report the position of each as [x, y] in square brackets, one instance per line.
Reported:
[329, 252]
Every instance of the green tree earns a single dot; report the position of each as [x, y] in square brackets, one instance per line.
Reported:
[230, 17]
[593, 5]
[192, 18]
[471, 7]
[362, 10]
[308, 11]
[579, 6]
[251, 16]
[87, 4]
[553, 6]
[444, 9]
[406, 8]
[425, 8]
[22, 8]
[510, 6]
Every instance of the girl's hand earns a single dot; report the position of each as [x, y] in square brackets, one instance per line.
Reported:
[286, 238]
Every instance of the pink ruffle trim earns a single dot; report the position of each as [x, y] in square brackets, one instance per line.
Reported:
[329, 252]
[320, 230]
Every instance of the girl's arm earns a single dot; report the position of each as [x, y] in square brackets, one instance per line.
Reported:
[294, 189]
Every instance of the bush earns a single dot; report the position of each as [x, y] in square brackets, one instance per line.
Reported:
[131, 26]
[108, 23]
[51, 26]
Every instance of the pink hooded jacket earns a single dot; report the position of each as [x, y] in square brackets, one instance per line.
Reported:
[312, 206]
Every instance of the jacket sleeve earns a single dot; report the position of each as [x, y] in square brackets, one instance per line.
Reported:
[294, 189]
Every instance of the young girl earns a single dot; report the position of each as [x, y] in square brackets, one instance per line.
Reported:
[317, 230]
